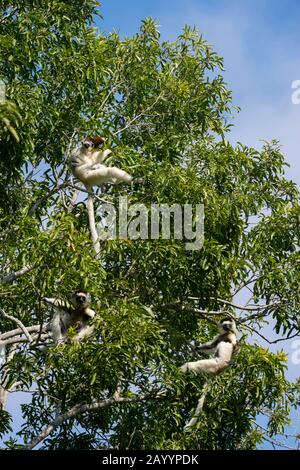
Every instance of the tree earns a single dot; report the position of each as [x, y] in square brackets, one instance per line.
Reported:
[165, 110]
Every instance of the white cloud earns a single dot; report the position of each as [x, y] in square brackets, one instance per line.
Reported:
[261, 63]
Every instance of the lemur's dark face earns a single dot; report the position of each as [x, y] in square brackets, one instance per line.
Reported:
[81, 299]
[88, 144]
[227, 325]
[94, 142]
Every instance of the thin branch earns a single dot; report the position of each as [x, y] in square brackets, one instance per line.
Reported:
[245, 284]
[269, 413]
[18, 322]
[8, 16]
[44, 198]
[249, 309]
[255, 316]
[131, 267]
[279, 340]
[205, 313]
[4, 391]
[8, 294]
[179, 306]
[272, 440]
[261, 310]
[57, 186]
[98, 198]
[78, 187]
[80, 408]
[112, 90]
[12, 276]
[244, 307]
[259, 334]
[138, 116]
[70, 145]
[131, 438]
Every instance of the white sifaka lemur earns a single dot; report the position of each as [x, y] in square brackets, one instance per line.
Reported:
[223, 345]
[65, 316]
[87, 164]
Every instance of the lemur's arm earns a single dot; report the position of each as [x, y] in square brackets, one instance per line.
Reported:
[56, 302]
[89, 312]
[102, 156]
[208, 347]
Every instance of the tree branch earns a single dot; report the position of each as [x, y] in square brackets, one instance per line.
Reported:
[18, 322]
[23, 339]
[272, 440]
[204, 313]
[249, 309]
[8, 16]
[279, 340]
[19, 331]
[3, 397]
[138, 116]
[79, 409]
[242, 285]
[44, 198]
[4, 391]
[261, 310]
[15, 274]
[262, 314]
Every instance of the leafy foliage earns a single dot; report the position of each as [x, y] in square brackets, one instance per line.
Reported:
[165, 110]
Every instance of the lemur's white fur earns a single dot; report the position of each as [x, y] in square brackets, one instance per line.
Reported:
[87, 164]
[75, 315]
[223, 345]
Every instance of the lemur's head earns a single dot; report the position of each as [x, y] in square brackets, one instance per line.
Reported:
[227, 325]
[81, 299]
[93, 142]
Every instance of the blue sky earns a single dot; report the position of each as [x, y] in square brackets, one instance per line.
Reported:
[259, 40]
